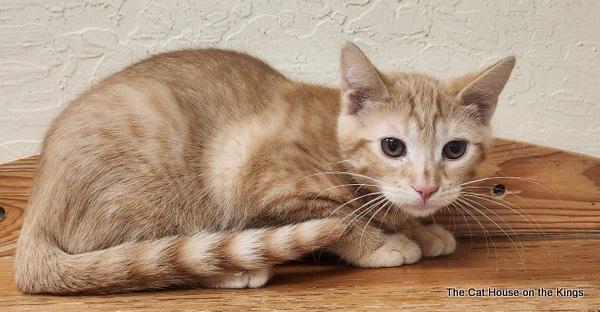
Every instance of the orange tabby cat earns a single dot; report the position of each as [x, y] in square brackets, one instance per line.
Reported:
[207, 167]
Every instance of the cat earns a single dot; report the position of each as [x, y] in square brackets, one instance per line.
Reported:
[206, 167]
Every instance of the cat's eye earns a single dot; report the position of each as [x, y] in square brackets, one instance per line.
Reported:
[393, 147]
[454, 149]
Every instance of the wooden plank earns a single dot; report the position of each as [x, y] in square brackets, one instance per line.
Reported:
[572, 264]
[558, 193]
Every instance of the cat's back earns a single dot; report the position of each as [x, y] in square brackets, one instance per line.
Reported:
[201, 80]
[212, 72]
[183, 95]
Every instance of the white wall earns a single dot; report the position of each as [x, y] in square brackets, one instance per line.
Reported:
[50, 50]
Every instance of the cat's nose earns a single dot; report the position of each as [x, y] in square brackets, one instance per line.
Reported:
[425, 191]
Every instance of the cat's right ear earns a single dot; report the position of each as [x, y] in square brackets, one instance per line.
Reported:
[361, 82]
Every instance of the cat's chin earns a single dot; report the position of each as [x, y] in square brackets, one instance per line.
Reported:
[420, 210]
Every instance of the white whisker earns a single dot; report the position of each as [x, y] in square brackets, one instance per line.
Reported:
[519, 251]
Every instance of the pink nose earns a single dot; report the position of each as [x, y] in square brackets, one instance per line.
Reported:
[425, 191]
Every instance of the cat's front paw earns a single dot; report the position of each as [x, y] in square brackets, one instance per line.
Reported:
[395, 251]
[434, 240]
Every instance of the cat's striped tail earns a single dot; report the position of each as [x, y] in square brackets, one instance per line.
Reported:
[41, 267]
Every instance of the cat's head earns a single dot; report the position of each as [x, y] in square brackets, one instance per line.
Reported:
[414, 138]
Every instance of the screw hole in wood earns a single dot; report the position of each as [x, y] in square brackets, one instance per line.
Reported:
[498, 190]
[2, 213]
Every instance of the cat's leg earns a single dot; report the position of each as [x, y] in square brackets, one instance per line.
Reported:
[433, 239]
[362, 242]
[244, 279]
[365, 245]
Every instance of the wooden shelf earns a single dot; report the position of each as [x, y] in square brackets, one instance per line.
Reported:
[305, 286]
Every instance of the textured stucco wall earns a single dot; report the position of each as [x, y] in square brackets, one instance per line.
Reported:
[50, 50]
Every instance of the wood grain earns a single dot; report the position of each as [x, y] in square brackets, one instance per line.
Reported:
[557, 193]
[15, 182]
[305, 286]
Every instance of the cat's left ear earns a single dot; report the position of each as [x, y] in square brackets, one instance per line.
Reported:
[361, 81]
[482, 89]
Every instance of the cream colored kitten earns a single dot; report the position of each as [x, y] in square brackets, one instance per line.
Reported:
[208, 167]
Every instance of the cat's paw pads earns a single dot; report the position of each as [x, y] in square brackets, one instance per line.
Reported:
[396, 251]
[246, 279]
[435, 240]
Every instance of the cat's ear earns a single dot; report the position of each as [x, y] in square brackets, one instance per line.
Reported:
[483, 88]
[361, 82]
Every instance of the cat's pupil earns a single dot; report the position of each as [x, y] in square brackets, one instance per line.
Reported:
[393, 147]
[454, 147]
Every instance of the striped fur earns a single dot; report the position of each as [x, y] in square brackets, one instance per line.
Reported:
[169, 261]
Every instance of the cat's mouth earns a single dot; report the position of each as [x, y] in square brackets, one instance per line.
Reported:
[413, 205]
